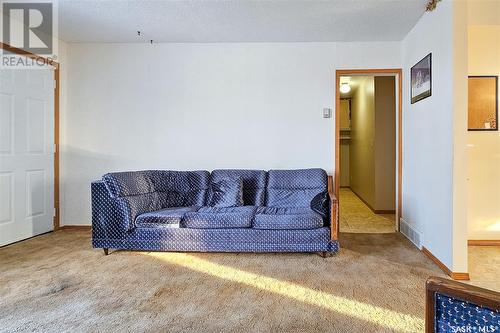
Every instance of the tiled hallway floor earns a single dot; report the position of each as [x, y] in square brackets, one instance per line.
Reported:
[357, 217]
[484, 266]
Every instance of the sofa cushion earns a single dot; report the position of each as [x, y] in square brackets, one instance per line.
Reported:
[177, 188]
[292, 218]
[122, 184]
[188, 187]
[168, 216]
[254, 184]
[227, 192]
[294, 188]
[219, 217]
[134, 205]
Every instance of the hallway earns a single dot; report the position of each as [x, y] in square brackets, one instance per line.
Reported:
[357, 217]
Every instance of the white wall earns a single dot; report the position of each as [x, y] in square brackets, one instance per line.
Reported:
[200, 106]
[429, 133]
[484, 151]
[259, 105]
[63, 86]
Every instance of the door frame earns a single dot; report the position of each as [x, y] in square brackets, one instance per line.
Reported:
[398, 73]
[56, 65]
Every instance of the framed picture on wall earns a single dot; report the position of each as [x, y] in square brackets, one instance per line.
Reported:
[421, 79]
[483, 103]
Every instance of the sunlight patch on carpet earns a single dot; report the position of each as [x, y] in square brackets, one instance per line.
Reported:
[370, 313]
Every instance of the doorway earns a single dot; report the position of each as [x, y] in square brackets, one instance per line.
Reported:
[29, 138]
[368, 150]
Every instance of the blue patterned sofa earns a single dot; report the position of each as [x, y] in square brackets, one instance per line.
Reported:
[159, 210]
[454, 307]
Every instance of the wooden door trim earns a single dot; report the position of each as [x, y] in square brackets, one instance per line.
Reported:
[398, 73]
[483, 242]
[56, 65]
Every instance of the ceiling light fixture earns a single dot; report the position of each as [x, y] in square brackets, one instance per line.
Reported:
[345, 88]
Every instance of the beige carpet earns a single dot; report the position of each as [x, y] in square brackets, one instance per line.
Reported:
[57, 282]
[357, 217]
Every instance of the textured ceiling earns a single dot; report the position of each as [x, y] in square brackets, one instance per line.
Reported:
[237, 20]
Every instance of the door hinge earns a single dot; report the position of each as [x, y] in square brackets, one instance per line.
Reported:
[55, 212]
[55, 148]
[55, 84]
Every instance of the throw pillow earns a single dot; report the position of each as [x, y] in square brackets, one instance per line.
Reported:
[320, 203]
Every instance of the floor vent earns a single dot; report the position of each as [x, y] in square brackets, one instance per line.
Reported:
[412, 234]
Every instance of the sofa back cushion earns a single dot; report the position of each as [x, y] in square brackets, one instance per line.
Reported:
[181, 188]
[174, 188]
[124, 184]
[254, 184]
[295, 188]
[227, 192]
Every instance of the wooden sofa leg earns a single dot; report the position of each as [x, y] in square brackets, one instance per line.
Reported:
[106, 251]
[324, 254]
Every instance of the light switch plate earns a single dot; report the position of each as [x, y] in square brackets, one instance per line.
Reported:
[327, 113]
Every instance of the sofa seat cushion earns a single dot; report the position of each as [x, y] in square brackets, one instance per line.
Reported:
[219, 218]
[290, 218]
[169, 217]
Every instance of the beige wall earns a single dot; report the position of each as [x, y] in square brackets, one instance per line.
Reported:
[372, 149]
[385, 143]
[361, 150]
[344, 144]
[483, 214]
[344, 114]
[344, 164]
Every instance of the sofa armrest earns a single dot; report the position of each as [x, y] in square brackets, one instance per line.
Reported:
[334, 210]
[112, 216]
[132, 206]
[107, 213]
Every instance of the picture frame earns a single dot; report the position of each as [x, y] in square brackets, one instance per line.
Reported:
[421, 79]
[482, 111]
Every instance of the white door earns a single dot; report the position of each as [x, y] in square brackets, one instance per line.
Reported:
[26, 153]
